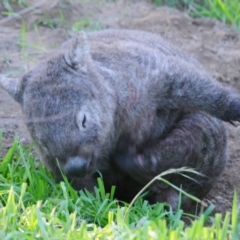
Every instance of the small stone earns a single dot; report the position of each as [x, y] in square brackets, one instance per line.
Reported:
[219, 199]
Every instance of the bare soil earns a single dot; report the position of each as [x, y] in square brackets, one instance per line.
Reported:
[214, 44]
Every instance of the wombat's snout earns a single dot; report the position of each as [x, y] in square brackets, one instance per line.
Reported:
[76, 167]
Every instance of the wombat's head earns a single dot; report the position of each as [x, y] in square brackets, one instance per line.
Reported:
[66, 108]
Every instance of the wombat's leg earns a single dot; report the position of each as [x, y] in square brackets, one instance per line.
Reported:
[197, 141]
[182, 85]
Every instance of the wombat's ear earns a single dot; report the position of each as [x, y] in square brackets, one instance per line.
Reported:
[77, 53]
[12, 86]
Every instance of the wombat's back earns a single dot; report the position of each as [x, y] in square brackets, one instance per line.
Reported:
[139, 37]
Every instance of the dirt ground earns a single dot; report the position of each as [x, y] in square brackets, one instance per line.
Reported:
[215, 45]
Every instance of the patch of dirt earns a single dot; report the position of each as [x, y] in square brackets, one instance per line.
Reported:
[215, 45]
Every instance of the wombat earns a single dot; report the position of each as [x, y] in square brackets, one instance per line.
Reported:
[128, 105]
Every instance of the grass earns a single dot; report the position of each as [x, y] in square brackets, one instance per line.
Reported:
[227, 11]
[33, 206]
[7, 4]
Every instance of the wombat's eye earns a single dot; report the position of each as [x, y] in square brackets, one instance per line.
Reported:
[81, 120]
[84, 121]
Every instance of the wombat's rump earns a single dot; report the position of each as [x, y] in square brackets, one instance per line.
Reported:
[131, 106]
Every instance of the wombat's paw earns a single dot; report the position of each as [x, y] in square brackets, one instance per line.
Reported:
[129, 161]
[233, 112]
[168, 195]
[125, 152]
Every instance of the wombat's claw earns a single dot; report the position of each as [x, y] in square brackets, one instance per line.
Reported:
[230, 121]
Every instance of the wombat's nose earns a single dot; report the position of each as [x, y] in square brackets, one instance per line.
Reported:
[76, 167]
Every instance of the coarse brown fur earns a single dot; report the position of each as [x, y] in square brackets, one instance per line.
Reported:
[128, 104]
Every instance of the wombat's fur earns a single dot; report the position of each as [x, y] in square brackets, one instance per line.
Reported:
[128, 104]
